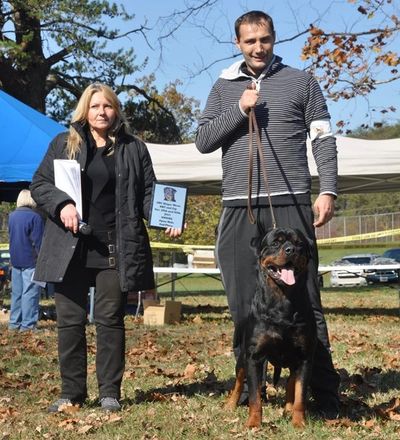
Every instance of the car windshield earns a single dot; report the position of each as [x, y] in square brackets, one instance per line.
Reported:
[4, 257]
[384, 260]
[392, 253]
[358, 260]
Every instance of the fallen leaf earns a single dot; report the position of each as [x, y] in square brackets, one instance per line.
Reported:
[190, 371]
[130, 374]
[68, 424]
[158, 397]
[271, 390]
[114, 418]
[369, 423]
[197, 320]
[389, 410]
[85, 429]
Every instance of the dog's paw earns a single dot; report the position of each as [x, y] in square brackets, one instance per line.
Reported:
[230, 404]
[298, 419]
[288, 410]
[254, 421]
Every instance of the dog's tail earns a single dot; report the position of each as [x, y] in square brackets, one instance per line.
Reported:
[277, 375]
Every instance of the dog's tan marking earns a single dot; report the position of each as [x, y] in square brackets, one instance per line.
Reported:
[289, 394]
[298, 413]
[235, 394]
[255, 411]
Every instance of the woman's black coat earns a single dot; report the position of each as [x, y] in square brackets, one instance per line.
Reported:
[134, 181]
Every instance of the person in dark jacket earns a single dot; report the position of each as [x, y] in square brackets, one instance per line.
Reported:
[117, 178]
[25, 229]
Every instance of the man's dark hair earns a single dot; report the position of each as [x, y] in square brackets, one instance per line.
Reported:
[253, 17]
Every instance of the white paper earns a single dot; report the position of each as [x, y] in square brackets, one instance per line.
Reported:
[39, 283]
[67, 177]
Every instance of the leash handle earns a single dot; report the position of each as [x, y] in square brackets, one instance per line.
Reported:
[253, 126]
[250, 213]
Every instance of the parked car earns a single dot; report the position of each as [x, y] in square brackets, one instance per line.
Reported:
[353, 278]
[383, 275]
[392, 253]
[363, 277]
[4, 271]
[5, 261]
[387, 276]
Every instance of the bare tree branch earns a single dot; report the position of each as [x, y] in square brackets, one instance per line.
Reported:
[184, 15]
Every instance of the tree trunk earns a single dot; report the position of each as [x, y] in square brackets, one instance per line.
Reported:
[26, 81]
[28, 87]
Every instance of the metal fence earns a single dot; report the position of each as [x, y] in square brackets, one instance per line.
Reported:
[362, 224]
[338, 227]
[3, 227]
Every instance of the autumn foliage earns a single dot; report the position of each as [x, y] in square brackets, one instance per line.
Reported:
[354, 62]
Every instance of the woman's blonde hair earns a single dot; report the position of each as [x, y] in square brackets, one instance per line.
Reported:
[25, 199]
[81, 112]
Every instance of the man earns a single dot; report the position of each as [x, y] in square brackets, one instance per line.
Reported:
[288, 105]
[25, 227]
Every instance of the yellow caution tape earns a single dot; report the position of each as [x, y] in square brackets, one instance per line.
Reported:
[183, 247]
[358, 237]
[154, 245]
[191, 247]
[348, 238]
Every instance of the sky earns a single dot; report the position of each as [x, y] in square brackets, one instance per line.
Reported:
[191, 47]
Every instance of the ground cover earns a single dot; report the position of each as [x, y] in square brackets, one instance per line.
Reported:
[177, 376]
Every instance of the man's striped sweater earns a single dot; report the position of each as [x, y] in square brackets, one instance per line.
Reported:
[289, 101]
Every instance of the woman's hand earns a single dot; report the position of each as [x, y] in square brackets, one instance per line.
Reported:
[175, 232]
[70, 217]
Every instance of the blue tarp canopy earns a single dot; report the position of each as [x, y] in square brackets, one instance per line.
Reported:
[25, 136]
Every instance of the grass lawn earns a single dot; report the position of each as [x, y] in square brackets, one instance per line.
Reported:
[177, 376]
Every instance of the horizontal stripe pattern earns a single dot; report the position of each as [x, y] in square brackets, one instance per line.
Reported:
[289, 101]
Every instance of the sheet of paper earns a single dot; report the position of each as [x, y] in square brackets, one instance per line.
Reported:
[39, 283]
[67, 177]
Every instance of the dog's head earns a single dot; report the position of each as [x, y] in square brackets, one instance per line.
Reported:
[283, 255]
[169, 194]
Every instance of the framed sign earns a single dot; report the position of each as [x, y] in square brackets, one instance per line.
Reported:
[168, 206]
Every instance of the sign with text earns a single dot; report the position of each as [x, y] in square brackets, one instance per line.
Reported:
[168, 206]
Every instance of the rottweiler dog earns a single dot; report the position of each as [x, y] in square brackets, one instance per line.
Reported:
[169, 194]
[280, 327]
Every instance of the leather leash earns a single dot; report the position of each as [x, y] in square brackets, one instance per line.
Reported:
[253, 127]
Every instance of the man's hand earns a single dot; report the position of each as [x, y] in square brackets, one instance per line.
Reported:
[70, 217]
[324, 208]
[249, 99]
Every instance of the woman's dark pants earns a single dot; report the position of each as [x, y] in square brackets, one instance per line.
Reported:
[71, 297]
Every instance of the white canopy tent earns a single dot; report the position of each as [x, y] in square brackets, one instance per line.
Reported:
[364, 166]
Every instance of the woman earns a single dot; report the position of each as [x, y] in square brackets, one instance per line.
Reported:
[117, 178]
[25, 229]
